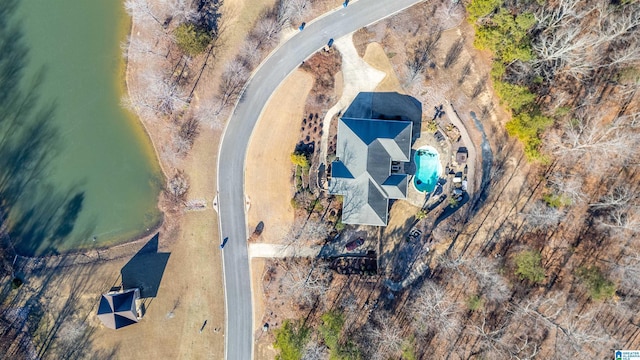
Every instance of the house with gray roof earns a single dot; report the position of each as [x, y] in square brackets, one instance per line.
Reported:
[362, 171]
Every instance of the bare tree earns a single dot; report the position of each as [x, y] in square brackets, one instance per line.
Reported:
[141, 10]
[234, 76]
[492, 285]
[181, 10]
[139, 47]
[163, 92]
[588, 137]
[384, 336]
[568, 185]
[304, 233]
[293, 10]
[576, 328]
[434, 312]
[305, 283]
[618, 197]
[210, 113]
[249, 55]
[315, 351]
[420, 55]
[627, 271]
[577, 37]
[542, 216]
[490, 338]
[177, 186]
[267, 32]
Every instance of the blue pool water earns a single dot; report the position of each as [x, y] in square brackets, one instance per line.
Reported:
[428, 169]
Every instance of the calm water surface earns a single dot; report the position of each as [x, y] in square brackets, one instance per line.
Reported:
[105, 164]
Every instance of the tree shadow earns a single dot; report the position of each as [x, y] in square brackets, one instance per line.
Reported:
[37, 216]
[144, 271]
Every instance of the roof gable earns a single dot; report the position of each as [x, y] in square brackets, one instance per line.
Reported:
[362, 172]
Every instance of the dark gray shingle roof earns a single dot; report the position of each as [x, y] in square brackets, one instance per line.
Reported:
[362, 172]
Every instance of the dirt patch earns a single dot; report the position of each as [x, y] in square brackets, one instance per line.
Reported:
[268, 178]
[323, 65]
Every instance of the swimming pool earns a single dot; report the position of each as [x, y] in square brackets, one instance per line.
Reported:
[428, 169]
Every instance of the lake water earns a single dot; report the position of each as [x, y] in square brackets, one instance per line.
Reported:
[105, 173]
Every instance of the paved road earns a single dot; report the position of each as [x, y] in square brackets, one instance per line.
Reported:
[231, 198]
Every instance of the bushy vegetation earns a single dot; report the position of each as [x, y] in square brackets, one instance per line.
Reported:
[409, 349]
[528, 127]
[480, 8]
[507, 36]
[290, 340]
[192, 39]
[330, 330]
[475, 303]
[598, 285]
[556, 201]
[301, 160]
[529, 266]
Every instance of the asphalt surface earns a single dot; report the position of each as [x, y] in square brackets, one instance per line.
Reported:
[231, 198]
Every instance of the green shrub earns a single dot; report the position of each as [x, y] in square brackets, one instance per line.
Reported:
[481, 8]
[529, 266]
[409, 349]
[339, 225]
[192, 39]
[506, 36]
[598, 285]
[475, 302]
[301, 160]
[563, 111]
[514, 96]
[556, 201]
[290, 340]
[528, 128]
[330, 330]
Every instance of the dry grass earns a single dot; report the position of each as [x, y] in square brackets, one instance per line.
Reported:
[375, 56]
[268, 180]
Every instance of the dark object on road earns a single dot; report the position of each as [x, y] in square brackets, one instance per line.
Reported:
[259, 228]
[301, 27]
[330, 43]
[345, 3]
[224, 242]
[354, 244]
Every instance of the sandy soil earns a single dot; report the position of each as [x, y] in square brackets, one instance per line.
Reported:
[376, 57]
[268, 181]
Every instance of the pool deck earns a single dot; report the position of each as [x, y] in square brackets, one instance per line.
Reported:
[426, 138]
[447, 150]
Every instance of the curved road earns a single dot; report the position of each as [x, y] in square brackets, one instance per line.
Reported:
[231, 198]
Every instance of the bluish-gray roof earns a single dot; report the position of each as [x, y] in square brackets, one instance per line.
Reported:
[362, 171]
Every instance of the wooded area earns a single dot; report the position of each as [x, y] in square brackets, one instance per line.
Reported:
[545, 264]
